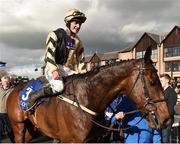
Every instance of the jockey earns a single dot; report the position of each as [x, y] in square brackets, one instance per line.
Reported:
[63, 55]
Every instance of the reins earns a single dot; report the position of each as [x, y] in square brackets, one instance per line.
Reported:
[117, 129]
[148, 101]
[77, 105]
[84, 109]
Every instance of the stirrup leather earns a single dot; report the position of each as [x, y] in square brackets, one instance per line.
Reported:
[31, 107]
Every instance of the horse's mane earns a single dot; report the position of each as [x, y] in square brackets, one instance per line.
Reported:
[116, 63]
[100, 68]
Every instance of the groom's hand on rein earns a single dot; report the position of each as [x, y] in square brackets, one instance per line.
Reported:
[119, 115]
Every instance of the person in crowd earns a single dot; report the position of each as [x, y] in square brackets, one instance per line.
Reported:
[63, 56]
[135, 125]
[170, 98]
[5, 88]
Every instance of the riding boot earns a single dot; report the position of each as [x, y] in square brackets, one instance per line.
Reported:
[44, 91]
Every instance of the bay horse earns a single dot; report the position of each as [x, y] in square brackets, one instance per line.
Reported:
[87, 95]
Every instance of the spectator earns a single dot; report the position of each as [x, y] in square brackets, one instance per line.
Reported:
[170, 98]
[137, 130]
[5, 89]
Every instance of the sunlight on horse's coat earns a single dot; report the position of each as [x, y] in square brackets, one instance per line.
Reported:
[94, 90]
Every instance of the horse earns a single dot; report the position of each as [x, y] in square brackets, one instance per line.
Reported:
[72, 116]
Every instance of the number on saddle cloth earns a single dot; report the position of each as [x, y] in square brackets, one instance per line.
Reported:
[32, 86]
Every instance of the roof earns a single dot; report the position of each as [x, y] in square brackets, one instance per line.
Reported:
[110, 55]
[170, 33]
[88, 58]
[96, 57]
[102, 57]
[127, 49]
[155, 37]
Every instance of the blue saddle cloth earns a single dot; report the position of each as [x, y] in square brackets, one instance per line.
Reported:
[32, 86]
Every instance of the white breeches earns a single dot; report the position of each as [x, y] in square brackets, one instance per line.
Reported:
[58, 85]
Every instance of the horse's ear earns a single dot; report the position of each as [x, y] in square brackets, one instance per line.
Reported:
[147, 56]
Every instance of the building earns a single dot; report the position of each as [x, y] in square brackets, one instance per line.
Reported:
[170, 52]
[165, 51]
[126, 53]
[146, 40]
[98, 59]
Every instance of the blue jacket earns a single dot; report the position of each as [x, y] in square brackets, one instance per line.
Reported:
[139, 131]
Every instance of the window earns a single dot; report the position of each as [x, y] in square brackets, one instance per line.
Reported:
[142, 53]
[154, 54]
[172, 66]
[172, 52]
[108, 62]
[139, 54]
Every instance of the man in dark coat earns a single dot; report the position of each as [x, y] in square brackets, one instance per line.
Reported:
[170, 98]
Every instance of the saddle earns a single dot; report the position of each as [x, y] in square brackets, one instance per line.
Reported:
[32, 87]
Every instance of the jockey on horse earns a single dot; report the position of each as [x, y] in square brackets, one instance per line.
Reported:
[63, 55]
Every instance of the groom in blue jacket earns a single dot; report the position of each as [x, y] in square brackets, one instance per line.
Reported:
[136, 125]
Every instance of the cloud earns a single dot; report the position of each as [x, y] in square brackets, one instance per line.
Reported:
[31, 71]
[16, 56]
[29, 40]
[111, 24]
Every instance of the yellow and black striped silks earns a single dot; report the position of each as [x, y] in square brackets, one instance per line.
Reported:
[74, 58]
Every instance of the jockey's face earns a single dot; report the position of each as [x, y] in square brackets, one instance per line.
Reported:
[75, 26]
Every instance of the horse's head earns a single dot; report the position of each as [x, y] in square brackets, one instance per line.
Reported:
[147, 92]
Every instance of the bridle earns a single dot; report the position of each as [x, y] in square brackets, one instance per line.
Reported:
[148, 101]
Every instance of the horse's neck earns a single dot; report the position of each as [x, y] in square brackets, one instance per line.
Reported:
[95, 90]
[106, 85]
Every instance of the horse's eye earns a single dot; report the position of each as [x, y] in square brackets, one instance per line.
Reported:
[153, 82]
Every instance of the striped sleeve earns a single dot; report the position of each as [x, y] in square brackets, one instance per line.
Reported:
[51, 44]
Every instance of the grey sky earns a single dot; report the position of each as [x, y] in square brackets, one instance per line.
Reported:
[111, 24]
